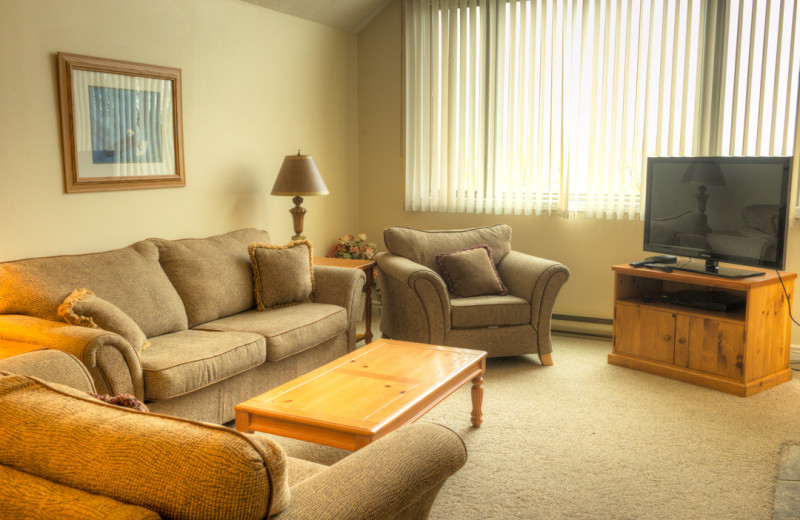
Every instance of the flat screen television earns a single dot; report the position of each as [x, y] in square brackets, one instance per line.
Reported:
[719, 209]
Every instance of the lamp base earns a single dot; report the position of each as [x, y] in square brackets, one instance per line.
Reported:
[298, 212]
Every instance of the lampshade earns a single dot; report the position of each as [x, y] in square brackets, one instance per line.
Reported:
[704, 173]
[299, 176]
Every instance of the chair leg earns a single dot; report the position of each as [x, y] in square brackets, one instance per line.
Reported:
[546, 360]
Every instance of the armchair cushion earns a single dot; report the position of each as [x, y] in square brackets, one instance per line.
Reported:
[284, 275]
[489, 311]
[423, 246]
[470, 272]
[84, 309]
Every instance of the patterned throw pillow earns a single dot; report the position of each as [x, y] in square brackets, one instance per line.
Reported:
[124, 400]
[85, 309]
[471, 272]
[284, 275]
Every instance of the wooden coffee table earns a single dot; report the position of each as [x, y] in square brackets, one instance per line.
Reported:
[364, 395]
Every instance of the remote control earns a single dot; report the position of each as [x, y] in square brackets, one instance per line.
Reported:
[658, 259]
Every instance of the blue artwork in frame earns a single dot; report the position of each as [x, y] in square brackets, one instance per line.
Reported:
[125, 125]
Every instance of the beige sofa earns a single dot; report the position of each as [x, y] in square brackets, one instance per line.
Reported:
[67, 455]
[194, 301]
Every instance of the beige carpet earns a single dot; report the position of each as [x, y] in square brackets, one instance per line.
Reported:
[587, 440]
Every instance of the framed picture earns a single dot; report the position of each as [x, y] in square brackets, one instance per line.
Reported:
[120, 124]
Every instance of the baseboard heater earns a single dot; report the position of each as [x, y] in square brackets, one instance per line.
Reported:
[583, 325]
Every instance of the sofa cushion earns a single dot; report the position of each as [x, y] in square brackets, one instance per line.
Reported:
[185, 361]
[131, 278]
[83, 308]
[180, 469]
[288, 330]
[488, 311]
[284, 275]
[422, 246]
[23, 498]
[470, 272]
[212, 275]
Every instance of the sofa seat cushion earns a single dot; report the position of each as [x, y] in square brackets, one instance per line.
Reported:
[287, 330]
[212, 275]
[188, 360]
[488, 311]
[131, 278]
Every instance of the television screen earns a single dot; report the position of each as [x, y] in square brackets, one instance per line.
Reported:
[721, 209]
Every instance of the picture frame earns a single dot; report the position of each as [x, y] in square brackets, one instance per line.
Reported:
[121, 124]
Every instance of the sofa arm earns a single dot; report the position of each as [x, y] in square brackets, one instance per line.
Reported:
[111, 360]
[341, 286]
[28, 496]
[397, 476]
[54, 366]
[414, 299]
[537, 280]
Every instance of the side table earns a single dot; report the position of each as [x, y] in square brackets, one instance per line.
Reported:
[10, 348]
[366, 266]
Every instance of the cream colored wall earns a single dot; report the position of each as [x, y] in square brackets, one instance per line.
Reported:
[588, 247]
[257, 85]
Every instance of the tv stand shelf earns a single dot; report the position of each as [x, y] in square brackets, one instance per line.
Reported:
[741, 352]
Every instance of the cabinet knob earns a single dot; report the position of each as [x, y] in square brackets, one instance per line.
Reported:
[667, 337]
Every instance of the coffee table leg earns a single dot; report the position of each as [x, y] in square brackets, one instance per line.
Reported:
[243, 422]
[477, 396]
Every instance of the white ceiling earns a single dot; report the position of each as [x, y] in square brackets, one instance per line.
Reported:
[348, 15]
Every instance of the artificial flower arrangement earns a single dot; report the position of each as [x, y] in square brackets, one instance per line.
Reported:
[359, 248]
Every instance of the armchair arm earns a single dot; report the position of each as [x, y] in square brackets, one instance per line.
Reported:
[416, 305]
[111, 360]
[398, 476]
[537, 280]
[341, 286]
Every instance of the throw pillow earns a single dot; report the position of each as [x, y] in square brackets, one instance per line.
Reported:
[85, 309]
[284, 275]
[124, 400]
[471, 272]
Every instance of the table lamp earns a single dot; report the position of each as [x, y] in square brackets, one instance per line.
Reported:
[704, 174]
[299, 177]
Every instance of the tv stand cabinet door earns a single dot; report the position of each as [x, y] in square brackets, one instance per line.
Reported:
[644, 332]
[711, 346]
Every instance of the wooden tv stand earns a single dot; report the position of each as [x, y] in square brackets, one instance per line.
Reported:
[740, 352]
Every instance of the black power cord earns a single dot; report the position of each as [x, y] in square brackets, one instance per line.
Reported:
[789, 302]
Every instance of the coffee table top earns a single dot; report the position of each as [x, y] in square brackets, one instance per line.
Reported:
[371, 387]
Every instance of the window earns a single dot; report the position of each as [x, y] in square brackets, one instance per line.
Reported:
[553, 106]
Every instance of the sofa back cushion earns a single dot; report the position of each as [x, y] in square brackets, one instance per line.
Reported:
[212, 275]
[175, 467]
[423, 246]
[131, 278]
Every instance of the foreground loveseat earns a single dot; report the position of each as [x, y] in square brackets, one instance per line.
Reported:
[193, 299]
[67, 455]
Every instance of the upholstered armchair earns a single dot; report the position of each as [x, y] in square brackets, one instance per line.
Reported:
[477, 294]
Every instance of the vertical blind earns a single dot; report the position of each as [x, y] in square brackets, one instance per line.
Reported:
[553, 106]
